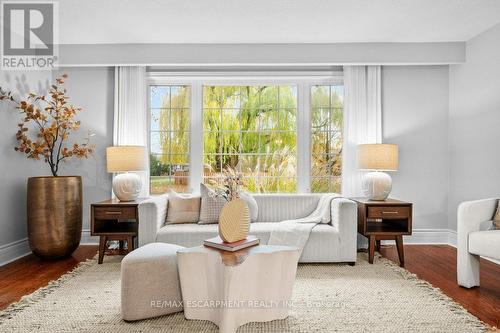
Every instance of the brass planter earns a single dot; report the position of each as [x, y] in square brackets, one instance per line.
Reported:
[54, 215]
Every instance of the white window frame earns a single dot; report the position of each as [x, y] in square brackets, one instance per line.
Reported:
[304, 80]
[329, 132]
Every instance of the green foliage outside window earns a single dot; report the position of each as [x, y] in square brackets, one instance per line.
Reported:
[169, 138]
[252, 129]
[326, 138]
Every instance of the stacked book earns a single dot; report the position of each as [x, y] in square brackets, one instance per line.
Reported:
[218, 243]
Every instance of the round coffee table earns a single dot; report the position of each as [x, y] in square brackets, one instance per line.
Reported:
[231, 289]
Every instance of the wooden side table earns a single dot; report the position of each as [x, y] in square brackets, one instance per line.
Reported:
[114, 220]
[380, 220]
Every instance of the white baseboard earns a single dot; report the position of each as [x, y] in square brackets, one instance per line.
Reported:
[18, 249]
[452, 238]
[87, 239]
[430, 236]
[13, 251]
[492, 260]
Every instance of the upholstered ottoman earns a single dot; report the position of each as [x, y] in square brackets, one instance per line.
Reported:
[150, 282]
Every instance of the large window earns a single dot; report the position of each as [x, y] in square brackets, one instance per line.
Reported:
[169, 138]
[283, 133]
[251, 129]
[326, 138]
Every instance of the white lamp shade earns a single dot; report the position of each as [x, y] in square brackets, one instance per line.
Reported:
[126, 158]
[378, 157]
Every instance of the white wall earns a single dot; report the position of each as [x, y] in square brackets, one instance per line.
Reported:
[415, 116]
[475, 123]
[89, 88]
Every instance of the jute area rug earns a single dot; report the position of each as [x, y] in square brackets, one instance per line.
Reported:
[327, 298]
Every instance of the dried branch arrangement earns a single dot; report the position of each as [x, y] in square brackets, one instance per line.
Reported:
[53, 121]
[230, 186]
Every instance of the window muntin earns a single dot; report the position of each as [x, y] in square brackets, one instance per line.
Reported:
[326, 137]
[169, 138]
[309, 156]
[251, 129]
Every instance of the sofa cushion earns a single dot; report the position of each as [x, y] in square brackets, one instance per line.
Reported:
[190, 235]
[281, 207]
[182, 208]
[485, 243]
[323, 242]
[211, 205]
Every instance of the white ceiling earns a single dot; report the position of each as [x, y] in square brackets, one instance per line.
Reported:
[274, 21]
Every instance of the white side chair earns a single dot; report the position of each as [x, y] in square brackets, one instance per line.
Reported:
[474, 219]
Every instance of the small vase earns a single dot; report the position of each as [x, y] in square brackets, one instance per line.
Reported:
[234, 221]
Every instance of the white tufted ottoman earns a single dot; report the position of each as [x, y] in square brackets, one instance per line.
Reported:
[150, 282]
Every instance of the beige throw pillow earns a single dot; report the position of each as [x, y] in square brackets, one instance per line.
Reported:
[182, 208]
[211, 205]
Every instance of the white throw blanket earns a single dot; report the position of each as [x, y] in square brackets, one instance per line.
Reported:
[296, 232]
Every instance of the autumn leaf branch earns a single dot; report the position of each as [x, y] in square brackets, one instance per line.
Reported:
[54, 122]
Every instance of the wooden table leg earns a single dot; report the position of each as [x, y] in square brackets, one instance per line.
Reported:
[401, 253]
[371, 249]
[378, 245]
[102, 248]
[130, 244]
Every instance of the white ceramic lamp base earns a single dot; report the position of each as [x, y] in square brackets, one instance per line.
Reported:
[127, 186]
[377, 185]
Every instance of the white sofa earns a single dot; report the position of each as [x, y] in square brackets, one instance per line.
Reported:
[334, 242]
[474, 219]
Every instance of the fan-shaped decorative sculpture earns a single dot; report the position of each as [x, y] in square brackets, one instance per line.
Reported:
[234, 221]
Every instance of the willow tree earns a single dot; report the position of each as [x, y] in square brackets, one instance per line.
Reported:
[326, 128]
[252, 129]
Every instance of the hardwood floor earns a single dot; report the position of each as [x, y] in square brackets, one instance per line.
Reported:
[436, 264]
[433, 263]
[24, 276]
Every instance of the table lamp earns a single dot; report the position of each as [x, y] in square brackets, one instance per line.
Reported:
[377, 158]
[124, 160]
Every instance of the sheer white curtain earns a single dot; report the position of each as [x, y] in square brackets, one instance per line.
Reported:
[130, 117]
[362, 124]
[362, 120]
